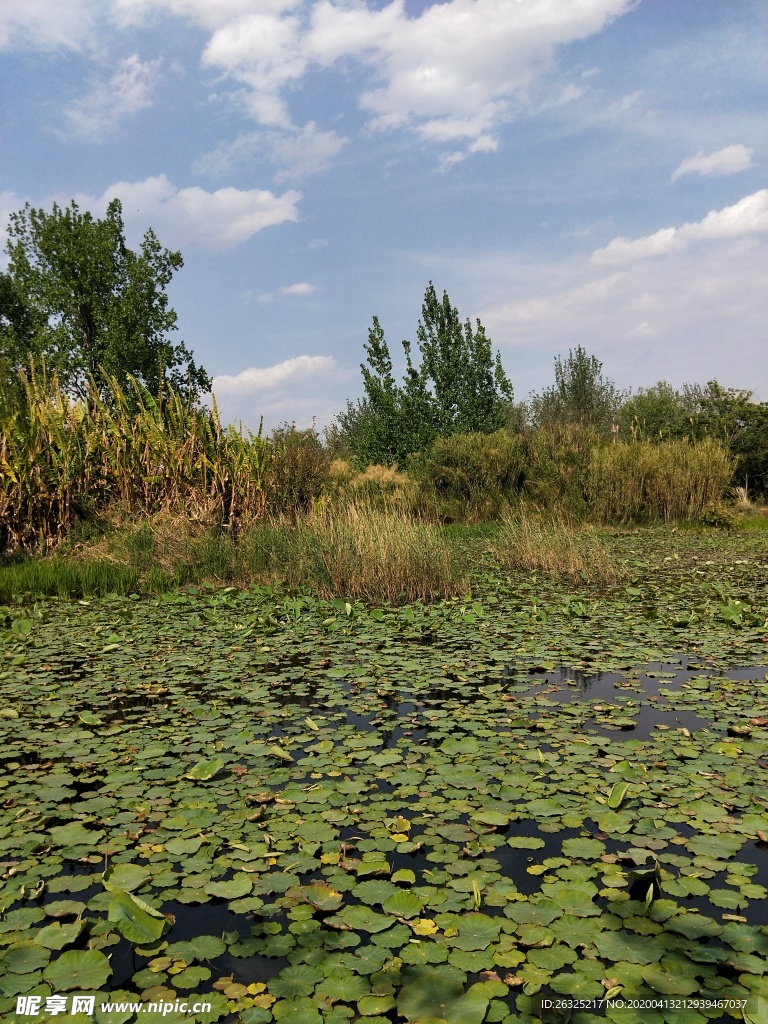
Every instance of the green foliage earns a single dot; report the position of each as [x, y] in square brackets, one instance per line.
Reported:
[659, 413]
[458, 387]
[78, 297]
[642, 482]
[727, 415]
[581, 395]
[471, 475]
[297, 470]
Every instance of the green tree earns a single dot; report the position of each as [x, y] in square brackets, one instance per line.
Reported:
[77, 296]
[660, 412]
[457, 387]
[729, 415]
[581, 394]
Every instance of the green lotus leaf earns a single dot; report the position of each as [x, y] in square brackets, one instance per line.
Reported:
[136, 920]
[64, 908]
[588, 849]
[298, 980]
[190, 977]
[346, 987]
[58, 935]
[465, 745]
[201, 947]
[489, 817]
[576, 902]
[747, 962]
[577, 985]
[403, 904]
[404, 875]
[204, 770]
[25, 958]
[539, 912]
[635, 949]
[575, 931]
[376, 890]
[373, 1005]
[547, 807]
[179, 847]
[671, 980]
[745, 938]
[722, 846]
[525, 842]
[614, 822]
[433, 996]
[230, 890]
[74, 834]
[478, 960]
[78, 968]
[277, 751]
[125, 877]
[360, 918]
[476, 931]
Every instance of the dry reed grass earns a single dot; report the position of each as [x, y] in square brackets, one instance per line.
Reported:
[553, 545]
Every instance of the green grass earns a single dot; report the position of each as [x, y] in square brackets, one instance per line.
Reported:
[57, 577]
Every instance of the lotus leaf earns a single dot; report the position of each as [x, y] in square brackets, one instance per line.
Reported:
[125, 877]
[360, 918]
[433, 996]
[403, 904]
[25, 958]
[205, 770]
[135, 919]
[78, 968]
[634, 949]
[299, 980]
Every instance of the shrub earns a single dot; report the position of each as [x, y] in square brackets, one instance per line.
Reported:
[470, 476]
[645, 482]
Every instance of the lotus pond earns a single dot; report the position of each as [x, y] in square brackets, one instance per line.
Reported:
[312, 812]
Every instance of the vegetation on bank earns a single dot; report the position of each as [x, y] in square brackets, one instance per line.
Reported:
[106, 446]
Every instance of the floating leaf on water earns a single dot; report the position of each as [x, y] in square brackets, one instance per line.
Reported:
[135, 919]
[204, 770]
[78, 968]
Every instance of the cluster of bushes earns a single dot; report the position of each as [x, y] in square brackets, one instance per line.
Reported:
[64, 462]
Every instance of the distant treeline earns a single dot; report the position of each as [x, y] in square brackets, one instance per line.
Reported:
[120, 451]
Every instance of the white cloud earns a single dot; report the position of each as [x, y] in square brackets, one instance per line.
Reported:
[729, 160]
[126, 92]
[301, 288]
[297, 152]
[747, 217]
[697, 314]
[212, 220]
[287, 392]
[46, 24]
[291, 371]
[453, 73]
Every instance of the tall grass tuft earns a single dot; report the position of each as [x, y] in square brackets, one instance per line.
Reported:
[358, 552]
[644, 482]
[551, 544]
[58, 577]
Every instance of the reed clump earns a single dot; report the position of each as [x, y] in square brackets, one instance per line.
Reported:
[643, 482]
[358, 551]
[64, 461]
[554, 545]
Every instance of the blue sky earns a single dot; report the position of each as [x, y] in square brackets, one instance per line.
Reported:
[571, 172]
